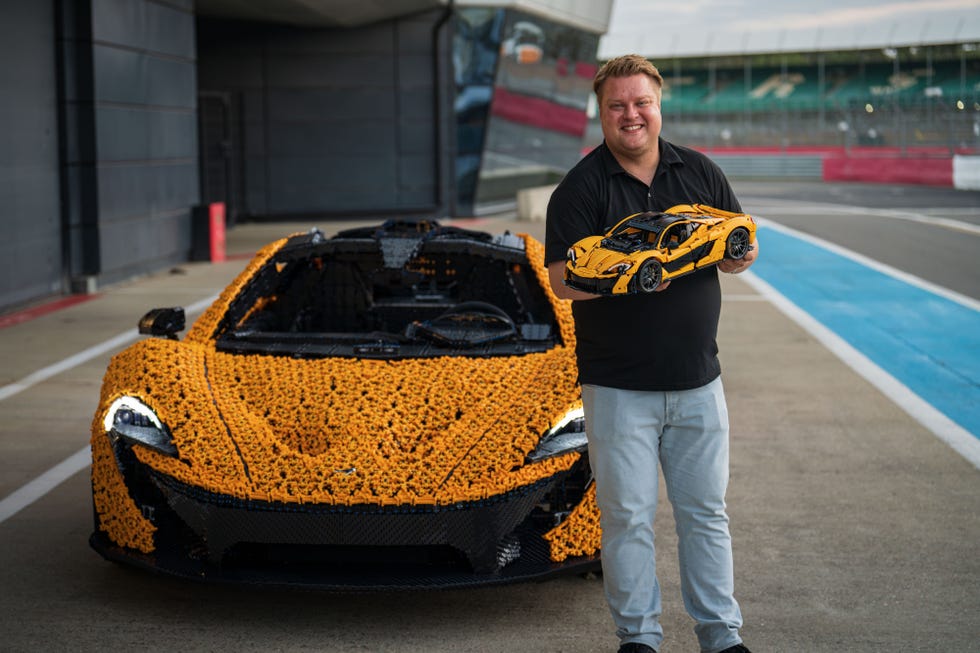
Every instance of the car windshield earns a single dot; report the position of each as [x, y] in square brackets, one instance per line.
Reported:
[393, 292]
[640, 232]
[678, 233]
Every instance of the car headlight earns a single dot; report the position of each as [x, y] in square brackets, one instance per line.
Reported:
[566, 436]
[570, 254]
[619, 268]
[135, 422]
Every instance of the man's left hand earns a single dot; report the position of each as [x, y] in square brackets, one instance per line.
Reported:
[734, 266]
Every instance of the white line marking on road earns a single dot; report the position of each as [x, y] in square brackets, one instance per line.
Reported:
[743, 298]
[49, 480]
[85, 355]
[895, 273]
[40, 486]
[894, 214]
[961, 440]
[45, 373]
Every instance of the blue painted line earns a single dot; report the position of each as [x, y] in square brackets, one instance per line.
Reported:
[928, 342]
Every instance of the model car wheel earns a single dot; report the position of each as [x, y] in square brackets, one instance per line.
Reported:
[737, 245]
[648, 276]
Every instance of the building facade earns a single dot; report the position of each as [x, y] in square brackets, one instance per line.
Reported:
[122, 119]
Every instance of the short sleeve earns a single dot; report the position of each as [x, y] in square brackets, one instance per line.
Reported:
[573, 213]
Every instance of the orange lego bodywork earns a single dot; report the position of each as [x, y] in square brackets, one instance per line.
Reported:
[336, 433]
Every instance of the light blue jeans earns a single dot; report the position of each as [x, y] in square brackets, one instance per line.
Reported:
[687, 433]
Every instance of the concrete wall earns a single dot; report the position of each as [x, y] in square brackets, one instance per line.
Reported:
[966, 172]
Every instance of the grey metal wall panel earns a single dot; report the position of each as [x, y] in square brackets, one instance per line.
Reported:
[310, 105]
[138, 134]
[230, 64]
[143, 243]
[303, 139]
[127, 170]
[30, 219]
[149, 26]
[414, 36]
[333, 120]
[415, 104]
[142, 168]
[317, 70]
[78, 140]
[30, 249]
[414, 178]
[256, 180]
[338, 183]
[140, 190]
[414, 70]
[415, 138]
[130, 77]
[377, 38]
[77, 180]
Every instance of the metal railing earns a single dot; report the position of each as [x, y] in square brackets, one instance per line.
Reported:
[935, 126]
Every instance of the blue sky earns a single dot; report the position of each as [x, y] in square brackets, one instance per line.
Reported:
[660, 28]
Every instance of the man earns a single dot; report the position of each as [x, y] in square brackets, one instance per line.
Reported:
[649, 370]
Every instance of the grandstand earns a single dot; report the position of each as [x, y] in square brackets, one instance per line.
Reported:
[799, 114]
[814, 86]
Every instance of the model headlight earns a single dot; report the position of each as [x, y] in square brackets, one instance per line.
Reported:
[570, 254]
[619, 268]
[135, 422]
[565, 437]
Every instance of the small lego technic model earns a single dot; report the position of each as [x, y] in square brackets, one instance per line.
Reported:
[393, 407]
[646, 249]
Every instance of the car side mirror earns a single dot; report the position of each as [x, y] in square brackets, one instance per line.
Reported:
[163, 322]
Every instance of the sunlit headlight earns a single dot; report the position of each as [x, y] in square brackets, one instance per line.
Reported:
[619, 268]
[570, 254]
[566, 436]
[135, 422]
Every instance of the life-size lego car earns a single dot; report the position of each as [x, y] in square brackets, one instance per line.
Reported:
[646, 249]
[391, 407]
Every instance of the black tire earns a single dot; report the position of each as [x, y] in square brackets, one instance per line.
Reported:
[648, 276]
[737, 245]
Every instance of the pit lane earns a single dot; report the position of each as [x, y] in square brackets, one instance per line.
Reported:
[854, 526]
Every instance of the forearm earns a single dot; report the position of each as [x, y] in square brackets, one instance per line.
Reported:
[556, 275]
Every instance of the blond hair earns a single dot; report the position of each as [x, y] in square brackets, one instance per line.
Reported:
[626, 65]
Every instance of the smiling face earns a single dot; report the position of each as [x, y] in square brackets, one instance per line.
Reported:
[629, 111]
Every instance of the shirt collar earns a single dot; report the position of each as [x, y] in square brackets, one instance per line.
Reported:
[668, 156]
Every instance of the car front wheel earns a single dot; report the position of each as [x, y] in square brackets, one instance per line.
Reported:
[737, 245]
[648, 276]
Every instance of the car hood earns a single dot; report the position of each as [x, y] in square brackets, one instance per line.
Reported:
[348, 431]
[593, 256]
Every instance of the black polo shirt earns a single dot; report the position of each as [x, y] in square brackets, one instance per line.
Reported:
[657, 341]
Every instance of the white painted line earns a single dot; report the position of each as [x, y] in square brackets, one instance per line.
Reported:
[45, 373]
[49, 480]
[961, 440]
[743, 298]
[86, 355]
[40, 486]
[895, 273]
[894, 214]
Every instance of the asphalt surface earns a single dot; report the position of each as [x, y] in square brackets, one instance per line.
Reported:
[931, 233]
[855, 528]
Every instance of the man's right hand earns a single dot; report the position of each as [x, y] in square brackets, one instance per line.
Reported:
[556, 275]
